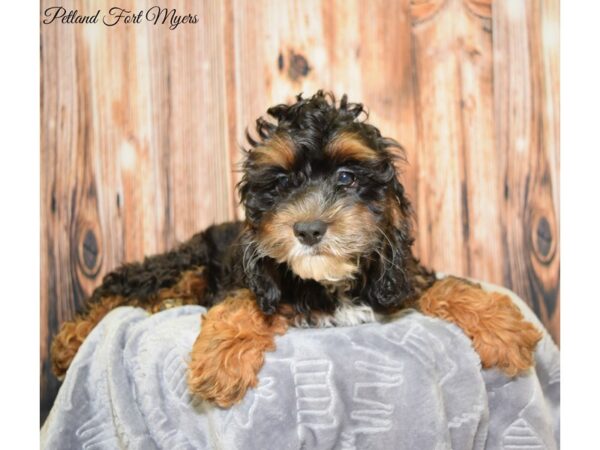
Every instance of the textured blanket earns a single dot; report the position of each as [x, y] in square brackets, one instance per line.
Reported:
[414, 383]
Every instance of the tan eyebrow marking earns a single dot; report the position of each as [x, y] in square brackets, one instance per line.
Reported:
[277, 151]
[349, 146]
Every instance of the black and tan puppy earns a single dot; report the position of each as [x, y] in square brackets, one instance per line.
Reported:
[326, 242]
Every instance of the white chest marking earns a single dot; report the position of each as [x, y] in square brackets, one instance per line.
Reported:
[347, 313]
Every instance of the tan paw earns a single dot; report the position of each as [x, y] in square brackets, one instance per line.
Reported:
[500, 334]
[229, 351]
[510, 344]
[223, 376]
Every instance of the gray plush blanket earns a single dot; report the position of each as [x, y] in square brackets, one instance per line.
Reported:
[414, 384]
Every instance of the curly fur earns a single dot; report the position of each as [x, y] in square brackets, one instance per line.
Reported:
[189, 288]
[257, 276]
[229, 351]
[500, 334]
[72, 334]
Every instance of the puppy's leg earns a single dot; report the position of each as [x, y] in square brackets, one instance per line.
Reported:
[500, 334]
[229, 350]
[189, 289]
[72, 333]
[179, 276]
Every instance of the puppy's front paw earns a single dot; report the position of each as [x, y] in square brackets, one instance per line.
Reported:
[500, 333]
[222, 373]
[229, 351]
[508, 342]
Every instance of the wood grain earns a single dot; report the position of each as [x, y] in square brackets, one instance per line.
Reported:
[141, 129]
[526, 121]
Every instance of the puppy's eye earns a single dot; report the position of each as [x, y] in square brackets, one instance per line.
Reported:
[282, 181]
[345, 178]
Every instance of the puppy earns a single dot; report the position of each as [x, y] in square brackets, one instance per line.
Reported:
[326, 241]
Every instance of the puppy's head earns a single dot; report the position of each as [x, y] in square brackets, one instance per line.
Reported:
[321, 197]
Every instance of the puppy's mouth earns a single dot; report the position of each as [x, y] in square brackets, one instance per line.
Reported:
[323, 267]
[320, 262]
[322, 243]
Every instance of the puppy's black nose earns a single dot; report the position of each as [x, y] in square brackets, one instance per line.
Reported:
[310, 233]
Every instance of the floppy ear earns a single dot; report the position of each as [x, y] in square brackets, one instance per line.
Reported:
[394, 275]
[400, 210]
[390, 278]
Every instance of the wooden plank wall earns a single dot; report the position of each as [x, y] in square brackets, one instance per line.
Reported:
[141, 127]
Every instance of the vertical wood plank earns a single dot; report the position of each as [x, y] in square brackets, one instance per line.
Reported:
[481, 190]
[58, 115]
[440, 147]
[548, 45]
[387, 79]
[527, 140]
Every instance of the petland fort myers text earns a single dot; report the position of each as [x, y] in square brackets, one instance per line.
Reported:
[117, 15]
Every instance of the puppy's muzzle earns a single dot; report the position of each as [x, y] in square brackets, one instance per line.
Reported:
[310, 233]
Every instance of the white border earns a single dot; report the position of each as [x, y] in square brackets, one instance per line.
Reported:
[580, 224]
[20, 225]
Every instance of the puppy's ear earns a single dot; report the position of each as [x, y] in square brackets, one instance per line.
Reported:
[390, 280]
[394, 275]
[400, 209]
